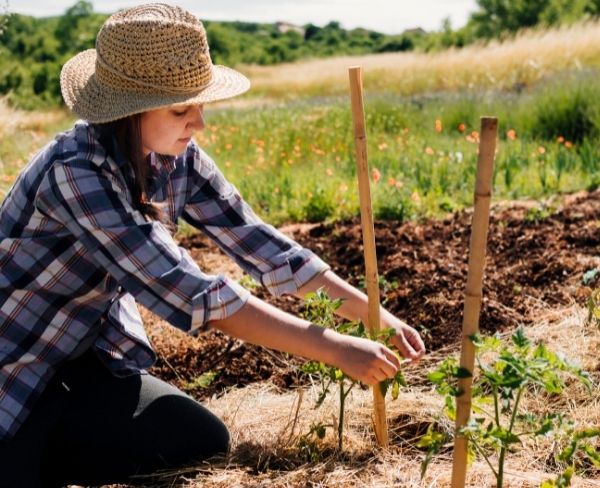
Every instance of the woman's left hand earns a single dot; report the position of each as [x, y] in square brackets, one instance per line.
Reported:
[407, 340]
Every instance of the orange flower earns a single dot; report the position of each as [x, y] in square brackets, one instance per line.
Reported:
[560, 139]
[429, 150]
[375, 175]
[391, 181]
[382, 146]
[568, 144]
[438, 125]
[541, 149]
[511, 134]
[329, 172]
[228, 146]
[461, 127]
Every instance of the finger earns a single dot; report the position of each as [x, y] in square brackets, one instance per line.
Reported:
[416, 342]
[404, 346]
[393, 358]
[387, 367]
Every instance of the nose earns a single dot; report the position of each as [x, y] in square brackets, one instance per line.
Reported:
[197, 118]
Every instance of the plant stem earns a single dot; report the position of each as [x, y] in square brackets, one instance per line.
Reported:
[500, 477]
[341, 416]
[496, 409]
[486, 458]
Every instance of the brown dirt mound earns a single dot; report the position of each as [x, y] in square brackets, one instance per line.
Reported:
[535, 260]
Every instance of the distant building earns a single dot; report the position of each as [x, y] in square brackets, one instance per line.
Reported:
[284, 27]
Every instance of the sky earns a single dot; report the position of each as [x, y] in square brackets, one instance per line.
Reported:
[387, 16]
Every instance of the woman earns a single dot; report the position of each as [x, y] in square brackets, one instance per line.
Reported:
[86, 232]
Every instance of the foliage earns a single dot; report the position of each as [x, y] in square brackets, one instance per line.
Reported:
[498, 425]
[34, 49]
[578, 445]
[320, 310]
[496, 17]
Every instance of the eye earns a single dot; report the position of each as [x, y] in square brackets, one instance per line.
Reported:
[179, 113]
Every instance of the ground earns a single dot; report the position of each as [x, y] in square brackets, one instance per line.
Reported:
[537, 256]
[539, 272]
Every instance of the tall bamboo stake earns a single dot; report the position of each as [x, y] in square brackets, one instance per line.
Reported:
[366, 217]
[473, 290]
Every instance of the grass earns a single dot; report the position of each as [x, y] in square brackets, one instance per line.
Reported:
[293, 157]
[533, 56]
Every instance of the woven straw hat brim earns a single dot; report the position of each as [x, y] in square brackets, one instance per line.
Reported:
[97, 103]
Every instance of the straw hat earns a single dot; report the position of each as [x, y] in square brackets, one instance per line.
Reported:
[146, 57]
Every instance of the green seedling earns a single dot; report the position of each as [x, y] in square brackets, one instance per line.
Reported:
[320, 310]
[578, 445]
[498, 425]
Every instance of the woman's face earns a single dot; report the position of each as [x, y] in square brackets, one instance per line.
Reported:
[169, 130]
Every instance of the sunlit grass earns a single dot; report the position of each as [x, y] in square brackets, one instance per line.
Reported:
[533, 56]
[294, 160]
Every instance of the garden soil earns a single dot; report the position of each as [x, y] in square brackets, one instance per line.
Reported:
[539, 256]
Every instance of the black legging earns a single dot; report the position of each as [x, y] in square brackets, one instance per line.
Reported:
[92, 428]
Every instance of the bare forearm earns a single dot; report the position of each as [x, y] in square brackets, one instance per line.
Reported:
[355, 307]
[259, 323]
[355, 303]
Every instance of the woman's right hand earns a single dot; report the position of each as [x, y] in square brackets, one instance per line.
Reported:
[364, 360]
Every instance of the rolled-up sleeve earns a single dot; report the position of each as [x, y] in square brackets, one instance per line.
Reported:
[141, 255]
[269, 256]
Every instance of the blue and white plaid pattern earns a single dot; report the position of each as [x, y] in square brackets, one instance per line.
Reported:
[75, 256]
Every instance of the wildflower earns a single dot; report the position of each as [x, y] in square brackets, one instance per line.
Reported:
[227, 164]
[382, 146]
[429, 150]
[438, 125]
[375, 175]
[568, 144]
[560, 139]
[511, 134]
[228, 146]
[475, 135]
[470, 138]
[461, 127]
[329, 172]
[399, 184]
[338, 159]
[541, 149]
[343, 188]
[276, 189]
[415, 197]
[459, 156]
[392, 181]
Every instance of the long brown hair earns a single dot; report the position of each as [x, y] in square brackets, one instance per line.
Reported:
[128, 135]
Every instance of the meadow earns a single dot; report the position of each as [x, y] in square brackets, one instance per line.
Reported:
[288, 145]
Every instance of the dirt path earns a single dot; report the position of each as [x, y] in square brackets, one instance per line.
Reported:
[536, 260]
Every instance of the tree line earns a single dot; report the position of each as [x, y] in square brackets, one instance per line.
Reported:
[32, 50]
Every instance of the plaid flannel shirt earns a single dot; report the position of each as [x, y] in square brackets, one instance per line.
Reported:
[75, 256]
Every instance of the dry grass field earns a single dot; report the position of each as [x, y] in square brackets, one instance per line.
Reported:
[515, 63]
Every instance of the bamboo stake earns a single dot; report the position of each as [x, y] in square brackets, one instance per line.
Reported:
[473, 290]
[366, 216]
